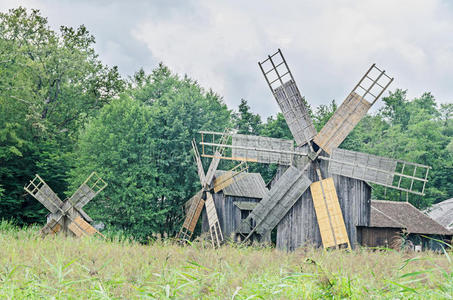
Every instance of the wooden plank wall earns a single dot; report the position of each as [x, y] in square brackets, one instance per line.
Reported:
[299, 226]
[377, 237]
[229, 214]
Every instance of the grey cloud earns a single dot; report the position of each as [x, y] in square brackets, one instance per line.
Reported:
[328, 44]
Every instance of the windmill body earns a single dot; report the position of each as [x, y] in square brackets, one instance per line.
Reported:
[235, 202]
[299, 226]
[67, 216]
[321, 192]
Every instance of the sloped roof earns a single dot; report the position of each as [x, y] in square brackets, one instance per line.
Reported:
[244, 205]
[404, 214]
[442, 213]
[250, 185]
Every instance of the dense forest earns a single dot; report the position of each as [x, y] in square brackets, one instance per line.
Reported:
[63, 114]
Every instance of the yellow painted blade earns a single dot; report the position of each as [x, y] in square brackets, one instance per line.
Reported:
[81, 227]
[328, 212]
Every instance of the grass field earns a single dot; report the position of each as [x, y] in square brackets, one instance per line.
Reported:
[67, 268]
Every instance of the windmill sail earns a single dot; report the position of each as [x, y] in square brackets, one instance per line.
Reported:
[197, 158]
[352, 110]
[274, 206]
[92, 186]
[328, 213]
[192, 216]
[397, 174]
[213, 221]
[39, 189]
[80, 227]
[284, 88]
[253, 148]
[229, 177]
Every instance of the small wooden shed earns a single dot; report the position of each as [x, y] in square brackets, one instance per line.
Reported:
[390, 220]
[235, 202]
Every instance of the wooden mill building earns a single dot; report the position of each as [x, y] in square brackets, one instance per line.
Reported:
[389, 220]
[235, 202]
[300, 227]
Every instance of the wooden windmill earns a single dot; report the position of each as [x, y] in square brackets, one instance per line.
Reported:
[204, 197]
[312, 148]
[67, 216]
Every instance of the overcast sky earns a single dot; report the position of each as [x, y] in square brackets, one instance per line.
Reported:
[327, 44]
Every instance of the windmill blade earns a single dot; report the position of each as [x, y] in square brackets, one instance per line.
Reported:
[213, 221]
[92, 186]
[192, 216]
[279, 200]
[283, 86]
[80, 227]
[52, 227]
[212, 168]
[262, 149]
[328, 213]
[217, 156]
[197, 158]
[352, 110]
[229, 177]
[251, 148]
[39, 189]
[392, 173]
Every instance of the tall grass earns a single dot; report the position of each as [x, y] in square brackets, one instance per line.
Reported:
[67, 268]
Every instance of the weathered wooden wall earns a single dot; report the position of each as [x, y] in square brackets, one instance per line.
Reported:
[299, 226]
[377, 237]
[228, 213]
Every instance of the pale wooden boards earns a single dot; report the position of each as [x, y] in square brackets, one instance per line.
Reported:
[295, 112]
[213, 220]
[343, 121]
[328, 213]
[194, 212]
[223, 181]
[278, 201]
[80, 227]
[39, 189]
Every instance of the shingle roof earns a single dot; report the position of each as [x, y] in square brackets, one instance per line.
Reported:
[442, 213]
[244, 205]
[404, 214]
[250, 185]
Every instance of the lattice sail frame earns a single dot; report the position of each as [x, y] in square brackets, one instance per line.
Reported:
[353, 109]
[380, 170]
[283, 86]
[250, 148]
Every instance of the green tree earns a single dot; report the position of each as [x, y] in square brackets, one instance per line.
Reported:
[141, 145]
[120, 146]
[50, 83]
[247, 122]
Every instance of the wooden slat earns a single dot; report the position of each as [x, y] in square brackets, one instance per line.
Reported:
[80, 227]
[92, 186]
[295, 112]
[39, 189]
[213, 220]
[328, 213]
[194, 212]
[52, 227]
[343, 121]
[200, 170]
[278, 201]
[212, 168]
